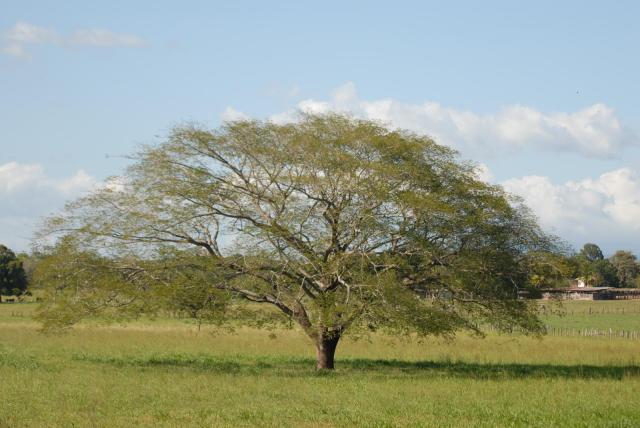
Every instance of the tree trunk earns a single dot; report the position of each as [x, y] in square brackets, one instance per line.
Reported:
[325, 352]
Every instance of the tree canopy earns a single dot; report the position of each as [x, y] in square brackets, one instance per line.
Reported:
[590, 265]
[626, 266]
[13, 280]
[591, 252]
[341, 225]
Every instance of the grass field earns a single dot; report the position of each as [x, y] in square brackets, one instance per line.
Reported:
[602, 314]
[165, 373]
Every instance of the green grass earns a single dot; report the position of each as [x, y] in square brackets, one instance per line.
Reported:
[165, 373]
[617, 315]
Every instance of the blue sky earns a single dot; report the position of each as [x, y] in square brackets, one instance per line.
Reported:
[543, 95]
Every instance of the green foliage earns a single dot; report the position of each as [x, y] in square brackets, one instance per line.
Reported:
[340, 224]
[627, 268]
[13, 280]
[620, 270]
[29, 263]
[554, 269]
[591, 252]
[602, 274]
[550, 269]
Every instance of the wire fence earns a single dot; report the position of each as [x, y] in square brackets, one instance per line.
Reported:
[593, 332]
[590, 311]
[608, 333]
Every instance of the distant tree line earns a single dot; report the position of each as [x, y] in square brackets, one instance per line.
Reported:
[589, 265]
[546, 270]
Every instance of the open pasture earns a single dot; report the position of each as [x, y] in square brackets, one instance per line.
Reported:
[599, 314]
[165, 373]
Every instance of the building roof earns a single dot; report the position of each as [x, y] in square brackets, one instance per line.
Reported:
[575, 289]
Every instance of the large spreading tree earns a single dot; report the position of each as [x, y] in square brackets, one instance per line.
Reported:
[340, 225]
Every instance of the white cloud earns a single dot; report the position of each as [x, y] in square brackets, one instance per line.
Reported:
[230, 114]
[28, 193]
[80, 181]
[605, 209]
[105, 38]
[484, 173]
[115, 184]
[14, 40]
[19, 178]
[594, 131]
[14, 176]
[23, 33]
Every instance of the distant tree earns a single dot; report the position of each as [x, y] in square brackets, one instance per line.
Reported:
[550, 269]
[627, 268]
[603, 274]
[29, 263]
[13, 280]
[594, 268]
[339, 225]
[591, 252]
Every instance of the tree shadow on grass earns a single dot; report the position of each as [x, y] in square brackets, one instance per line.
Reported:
[495, 370]
[297, 367]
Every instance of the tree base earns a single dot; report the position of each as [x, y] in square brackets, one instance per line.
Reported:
[325, 353]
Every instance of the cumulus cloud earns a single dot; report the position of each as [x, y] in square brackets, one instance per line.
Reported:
[28, 193]
[593, 131]
[14, 41]
[17, 178]
[230, 114]
[605, 209]
[484, 173]
[23, 33]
